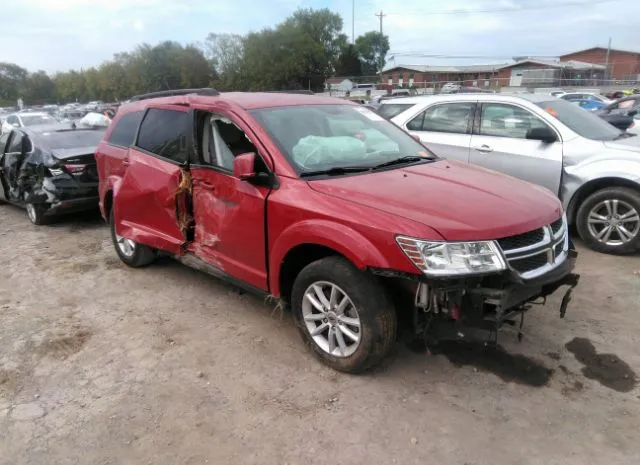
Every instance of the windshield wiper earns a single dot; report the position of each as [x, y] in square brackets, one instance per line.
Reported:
[335, 171]
[401, 161]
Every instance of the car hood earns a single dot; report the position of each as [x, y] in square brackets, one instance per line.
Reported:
[461, 202]
[630, 143]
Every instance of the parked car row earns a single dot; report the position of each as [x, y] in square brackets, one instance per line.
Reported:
[326, 206]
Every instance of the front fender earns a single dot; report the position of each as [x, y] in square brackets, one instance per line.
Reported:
[577, 176]
[344, 240]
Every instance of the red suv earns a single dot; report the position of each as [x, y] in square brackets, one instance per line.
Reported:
[324, 204]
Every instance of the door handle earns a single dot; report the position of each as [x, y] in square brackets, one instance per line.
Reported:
[484, 148]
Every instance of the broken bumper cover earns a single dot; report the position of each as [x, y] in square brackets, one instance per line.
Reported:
[63, 194]
[517, 291]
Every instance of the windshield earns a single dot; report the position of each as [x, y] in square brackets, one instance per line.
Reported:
[37, 120]
[324, 137]
[71, 139]
[390, 110]
[580, 121]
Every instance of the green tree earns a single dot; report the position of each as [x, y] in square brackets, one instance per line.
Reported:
[225, 52]
[12, 79]
[349, 63]
[373, 48]
[37, 88]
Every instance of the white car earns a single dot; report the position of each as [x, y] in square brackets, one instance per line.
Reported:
[27, 119]
[590, 165]
[577, 96]
[450, 87]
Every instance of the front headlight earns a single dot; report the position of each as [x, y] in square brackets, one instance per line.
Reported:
[452, 258]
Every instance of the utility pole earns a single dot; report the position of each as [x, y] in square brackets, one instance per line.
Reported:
[380, 15]
[353, 21]
[606, 61]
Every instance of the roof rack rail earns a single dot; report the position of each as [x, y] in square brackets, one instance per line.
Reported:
[170, 93]
[305, 92]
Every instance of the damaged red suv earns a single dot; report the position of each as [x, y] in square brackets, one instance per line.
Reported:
[325, 205]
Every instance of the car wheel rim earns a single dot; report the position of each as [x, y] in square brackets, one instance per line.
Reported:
[331, 319]
[613, 222]
[127, 246]
[31, 212]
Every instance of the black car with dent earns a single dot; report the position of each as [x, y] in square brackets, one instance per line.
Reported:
[49, 170]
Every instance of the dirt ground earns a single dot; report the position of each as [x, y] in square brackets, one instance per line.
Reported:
[101, 364]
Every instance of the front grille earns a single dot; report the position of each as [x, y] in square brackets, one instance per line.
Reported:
[521, 240]
[558, 248]
[556, 225]
[529, 263]
[534, 252]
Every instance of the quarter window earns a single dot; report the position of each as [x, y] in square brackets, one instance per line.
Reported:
[448, 117]
[164, 132]
[124, 132]
[502, 120]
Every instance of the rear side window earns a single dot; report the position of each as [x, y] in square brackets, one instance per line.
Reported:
[391, 110]
[164, 132]
[125, 129]
[447, 117]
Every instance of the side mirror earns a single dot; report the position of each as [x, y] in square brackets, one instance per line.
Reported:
[543, 134]
[243, 166]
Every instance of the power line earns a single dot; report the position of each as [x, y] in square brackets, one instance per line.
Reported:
[503, 10]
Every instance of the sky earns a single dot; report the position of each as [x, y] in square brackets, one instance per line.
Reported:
[57, 35]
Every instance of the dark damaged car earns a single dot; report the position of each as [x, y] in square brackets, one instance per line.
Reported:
[49, 170]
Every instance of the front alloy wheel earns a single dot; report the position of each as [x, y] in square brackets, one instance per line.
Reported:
[331, 319]
[609, 220]
[343, 314]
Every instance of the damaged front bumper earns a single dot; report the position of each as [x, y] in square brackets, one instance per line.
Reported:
[478, 307]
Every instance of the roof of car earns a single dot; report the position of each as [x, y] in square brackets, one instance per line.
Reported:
[246, 100]
[466, 97]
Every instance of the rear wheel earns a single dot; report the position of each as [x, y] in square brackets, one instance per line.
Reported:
[130, 252]
[343, 315]
[36, 213]
[609, 220]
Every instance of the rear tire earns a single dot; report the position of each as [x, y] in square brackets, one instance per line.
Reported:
[608, 221]
[356, 336]
[36, 214]
[130, 252]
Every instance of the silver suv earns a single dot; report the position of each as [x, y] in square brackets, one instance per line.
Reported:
[593, 167]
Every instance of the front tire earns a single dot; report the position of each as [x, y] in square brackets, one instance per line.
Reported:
[608, 221]
[343, 315]
[130, 252]
[36, 213]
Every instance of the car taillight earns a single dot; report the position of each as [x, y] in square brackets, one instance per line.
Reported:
[75, 168]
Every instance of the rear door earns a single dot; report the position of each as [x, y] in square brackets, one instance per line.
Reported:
[500, 143]
[228, 213]
[445, 128]
[153, 185]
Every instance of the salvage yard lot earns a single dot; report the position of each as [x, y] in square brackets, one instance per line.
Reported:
[102, 364]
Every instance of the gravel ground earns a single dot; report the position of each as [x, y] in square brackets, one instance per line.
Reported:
[102, 364]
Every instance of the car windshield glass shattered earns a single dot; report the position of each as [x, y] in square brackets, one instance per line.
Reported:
[70, 139]
[36, 120]
[580, 121]
[341, 138]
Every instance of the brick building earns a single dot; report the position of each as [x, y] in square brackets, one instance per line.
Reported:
[436, 76]
[622, 64]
